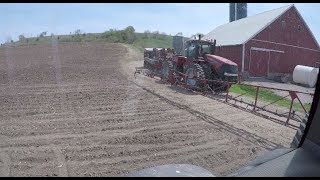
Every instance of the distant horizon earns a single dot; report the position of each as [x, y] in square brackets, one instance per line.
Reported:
[171, 18]
[48, 35]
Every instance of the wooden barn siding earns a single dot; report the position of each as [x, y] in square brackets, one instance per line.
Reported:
[285, 63]
[290, 33]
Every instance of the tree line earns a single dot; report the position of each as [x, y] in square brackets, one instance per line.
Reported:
[126, 35]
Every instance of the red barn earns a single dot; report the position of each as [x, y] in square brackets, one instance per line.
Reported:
[269, 43]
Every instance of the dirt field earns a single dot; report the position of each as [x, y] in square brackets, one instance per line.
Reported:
[76, 110]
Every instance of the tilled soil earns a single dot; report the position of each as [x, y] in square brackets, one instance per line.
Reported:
[74, 109]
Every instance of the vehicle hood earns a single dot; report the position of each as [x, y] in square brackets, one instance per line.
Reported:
[218, 59]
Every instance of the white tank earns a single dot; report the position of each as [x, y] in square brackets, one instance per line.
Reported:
[305, 75]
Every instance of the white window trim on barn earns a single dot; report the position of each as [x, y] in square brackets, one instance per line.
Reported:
[286, 45]
[265, 50]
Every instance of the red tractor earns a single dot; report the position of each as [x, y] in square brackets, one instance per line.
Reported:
[200, 63]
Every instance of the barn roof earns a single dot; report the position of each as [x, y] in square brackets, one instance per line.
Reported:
[242, 30]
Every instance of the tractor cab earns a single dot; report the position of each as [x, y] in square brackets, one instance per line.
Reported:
[197, 48]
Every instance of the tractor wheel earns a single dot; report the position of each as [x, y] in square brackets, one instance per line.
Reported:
[145, 64]
[193, 75]
[207, 71]
[208, 74]
[176, 70]
[167, 70]
[216, 86]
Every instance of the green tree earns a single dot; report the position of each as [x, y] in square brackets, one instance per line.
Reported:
[130, 34]
[77, 35]
[146, 34]
[22, 38]
[155, 34]
[43, 34]
[77, 32]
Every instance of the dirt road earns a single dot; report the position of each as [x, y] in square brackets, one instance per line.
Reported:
[74, 109]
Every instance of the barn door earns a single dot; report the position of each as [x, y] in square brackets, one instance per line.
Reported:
[274, 62]
[258, 63]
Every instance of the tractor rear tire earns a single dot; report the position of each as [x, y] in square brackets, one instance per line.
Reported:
[167, 70]
[145, 64]
[194, 75]
[208, 74]
[207, 71]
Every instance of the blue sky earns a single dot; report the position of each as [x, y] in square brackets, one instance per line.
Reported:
[32, 19]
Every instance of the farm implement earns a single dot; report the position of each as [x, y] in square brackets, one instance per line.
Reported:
[201, 71]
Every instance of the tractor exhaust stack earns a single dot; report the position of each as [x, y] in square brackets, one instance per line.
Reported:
[214, 47]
